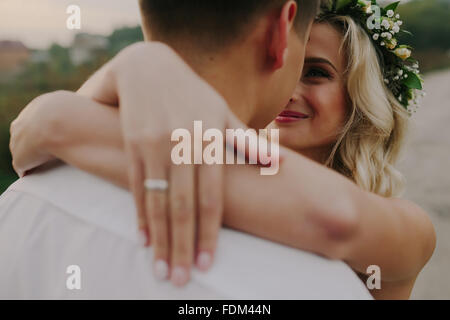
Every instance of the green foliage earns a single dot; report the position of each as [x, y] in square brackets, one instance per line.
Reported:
[428, 21]
[413, 81]
[122, 38]
[429, 32]
[392, 6]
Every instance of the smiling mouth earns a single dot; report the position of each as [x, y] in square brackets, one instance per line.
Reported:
[288, 116]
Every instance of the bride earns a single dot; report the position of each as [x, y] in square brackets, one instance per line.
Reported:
[349, 112]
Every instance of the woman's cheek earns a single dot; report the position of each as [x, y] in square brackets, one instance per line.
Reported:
[328, 108]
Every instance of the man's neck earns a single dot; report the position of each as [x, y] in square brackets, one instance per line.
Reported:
[232, 76]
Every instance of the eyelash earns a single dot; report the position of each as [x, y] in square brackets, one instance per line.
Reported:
[323, 73]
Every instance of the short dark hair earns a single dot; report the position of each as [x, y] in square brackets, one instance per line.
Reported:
[214, 23]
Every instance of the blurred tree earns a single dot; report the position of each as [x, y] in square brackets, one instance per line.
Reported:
[428, 21]
[59, 73]
[122, 38]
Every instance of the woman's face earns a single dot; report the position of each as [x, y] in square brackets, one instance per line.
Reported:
[317, 111]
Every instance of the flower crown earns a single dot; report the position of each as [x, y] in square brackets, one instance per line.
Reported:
[400, 71]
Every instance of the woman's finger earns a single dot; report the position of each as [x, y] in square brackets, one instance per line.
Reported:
[210, 203]
[182, 222]
[136, 175]
[156, 188]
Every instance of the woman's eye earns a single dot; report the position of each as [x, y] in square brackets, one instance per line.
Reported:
[316, 73]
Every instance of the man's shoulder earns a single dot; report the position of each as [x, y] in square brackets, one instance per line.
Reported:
[245, 267]
[80, 194]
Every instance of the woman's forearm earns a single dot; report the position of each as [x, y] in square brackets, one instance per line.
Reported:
[86, 135]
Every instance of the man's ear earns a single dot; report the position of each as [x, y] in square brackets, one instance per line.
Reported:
[279, 34]
[145, 27]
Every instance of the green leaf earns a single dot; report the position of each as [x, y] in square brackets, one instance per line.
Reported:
[413, 81]
[406, 32]
[342, 4]
[405, 46]
[392, 6]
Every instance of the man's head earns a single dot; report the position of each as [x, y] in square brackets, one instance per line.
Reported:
[268, 36]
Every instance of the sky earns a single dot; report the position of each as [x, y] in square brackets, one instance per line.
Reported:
[39, 23]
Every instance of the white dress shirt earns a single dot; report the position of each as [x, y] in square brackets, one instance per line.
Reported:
[60, 216]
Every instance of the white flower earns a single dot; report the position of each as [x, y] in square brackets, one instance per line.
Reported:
[406, 76]
[397, 16]
[389, 36]
[392, 44]
[400, 72]
[386, 81]
[396, 77]
[403, 53]
[376, 36]
[366, 6]
[382, 43]
[400, 22]
[383, 35]
[390, 13]
[385, 23]
[396, 28]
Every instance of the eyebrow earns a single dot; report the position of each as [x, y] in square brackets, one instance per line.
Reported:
[320, 60]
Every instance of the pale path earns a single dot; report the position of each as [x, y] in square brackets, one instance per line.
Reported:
[425, 166]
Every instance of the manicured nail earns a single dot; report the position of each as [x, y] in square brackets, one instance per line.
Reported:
[161, 270]
[204, 260]
[179, 276]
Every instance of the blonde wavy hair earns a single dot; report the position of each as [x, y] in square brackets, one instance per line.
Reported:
[371, 140]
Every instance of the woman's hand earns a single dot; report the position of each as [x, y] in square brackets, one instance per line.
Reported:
[159, 93]
[30, 134]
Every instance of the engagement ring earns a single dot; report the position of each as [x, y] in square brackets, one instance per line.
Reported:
[156, 184]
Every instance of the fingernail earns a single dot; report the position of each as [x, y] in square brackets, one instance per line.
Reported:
[161, 270]
[204, 260]
[179, 276]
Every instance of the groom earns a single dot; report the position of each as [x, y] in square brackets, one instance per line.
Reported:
[61, 219]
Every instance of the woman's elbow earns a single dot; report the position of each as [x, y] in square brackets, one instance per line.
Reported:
[339, 222]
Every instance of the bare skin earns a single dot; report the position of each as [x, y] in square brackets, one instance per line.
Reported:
[305, 206]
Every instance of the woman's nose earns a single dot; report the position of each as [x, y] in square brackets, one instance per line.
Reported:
[296, 95]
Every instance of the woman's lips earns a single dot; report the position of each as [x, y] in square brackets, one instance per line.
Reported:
[288, 116]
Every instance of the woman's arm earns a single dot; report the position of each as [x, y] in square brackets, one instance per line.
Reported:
[305, 205]
[69, 127]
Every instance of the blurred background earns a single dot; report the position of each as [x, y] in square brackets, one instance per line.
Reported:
[39, 54]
